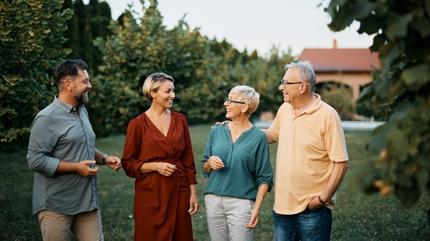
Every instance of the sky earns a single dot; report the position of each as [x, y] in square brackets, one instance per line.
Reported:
[256, 24]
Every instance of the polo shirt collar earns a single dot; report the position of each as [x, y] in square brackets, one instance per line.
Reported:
[314, 106]
[309, 109]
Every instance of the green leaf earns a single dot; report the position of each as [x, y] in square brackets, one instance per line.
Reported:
[389, 53]
[427, 6]
[367, 93]
[378, 42]
[422, 176]
[397, 25]
[417, 76]
[422, 26]
[343, 14]
[370, 24]
[397, 143]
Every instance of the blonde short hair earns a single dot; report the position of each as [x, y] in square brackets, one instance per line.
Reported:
[153, 83]
[248, 95]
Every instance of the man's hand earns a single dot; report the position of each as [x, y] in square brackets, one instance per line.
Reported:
[165, 169]
[315, 203]
[86, 168]
[215, 163]
[113, 162]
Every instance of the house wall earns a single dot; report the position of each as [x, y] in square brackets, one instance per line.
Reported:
[355, 80]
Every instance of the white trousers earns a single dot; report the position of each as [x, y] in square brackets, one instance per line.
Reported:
[227, 218]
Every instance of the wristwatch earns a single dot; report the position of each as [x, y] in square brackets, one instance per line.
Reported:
[104, 159]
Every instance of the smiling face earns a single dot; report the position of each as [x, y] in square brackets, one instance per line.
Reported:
[77, 87]
[292, 88]
[164, 95]
[233, 106]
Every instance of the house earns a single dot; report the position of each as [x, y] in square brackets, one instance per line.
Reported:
[348, 66]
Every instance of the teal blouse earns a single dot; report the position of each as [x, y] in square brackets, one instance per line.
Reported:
[246, 163]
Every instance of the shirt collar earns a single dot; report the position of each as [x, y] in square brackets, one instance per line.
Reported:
[314, 105]
[310, 108]
[68, 108]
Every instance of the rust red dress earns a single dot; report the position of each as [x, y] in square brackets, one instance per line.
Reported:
[160, 203]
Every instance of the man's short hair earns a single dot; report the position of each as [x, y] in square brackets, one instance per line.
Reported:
[68, 67]
[305, 71]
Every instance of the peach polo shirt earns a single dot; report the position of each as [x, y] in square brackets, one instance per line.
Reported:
[308, 146]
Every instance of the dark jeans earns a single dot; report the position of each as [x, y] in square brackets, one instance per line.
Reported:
[308, 225]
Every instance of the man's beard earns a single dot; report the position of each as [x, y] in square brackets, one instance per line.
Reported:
[83, 98]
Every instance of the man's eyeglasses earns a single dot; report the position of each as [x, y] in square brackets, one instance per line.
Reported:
[285, 82]
[229, 101]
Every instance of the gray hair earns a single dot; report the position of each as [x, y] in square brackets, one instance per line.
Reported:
[305, 72]
[153, 83]
[249, 96]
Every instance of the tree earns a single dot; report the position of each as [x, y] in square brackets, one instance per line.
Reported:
[132, 53]
[88, 22]
[204, 71]
[31, 39]
[339, 97]
[401, 147]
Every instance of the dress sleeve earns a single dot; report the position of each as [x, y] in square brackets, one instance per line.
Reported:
[188, 157]
[263, 169]
[130, 157]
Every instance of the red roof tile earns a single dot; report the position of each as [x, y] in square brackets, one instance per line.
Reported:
[341, 60]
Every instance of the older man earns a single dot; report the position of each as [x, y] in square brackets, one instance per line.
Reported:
[311, 159]
[62, 154]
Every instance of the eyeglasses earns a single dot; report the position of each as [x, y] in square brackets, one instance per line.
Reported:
[229, 101]
[285, 82]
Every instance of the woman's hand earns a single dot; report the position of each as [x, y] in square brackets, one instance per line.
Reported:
[215, 163]
[165, 169]
[194, 202]
[254, 218]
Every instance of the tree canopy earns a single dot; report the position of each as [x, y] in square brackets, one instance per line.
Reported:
[204, 70]
[87, 23]
[401, 147]
[31, 43]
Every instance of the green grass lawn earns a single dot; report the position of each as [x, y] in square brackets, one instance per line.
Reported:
[356, 216]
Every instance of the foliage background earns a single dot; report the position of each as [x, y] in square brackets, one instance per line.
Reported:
[36, 34]
[400, 163]
[31, 42]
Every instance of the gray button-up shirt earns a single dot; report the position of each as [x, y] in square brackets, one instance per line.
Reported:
[62, 132]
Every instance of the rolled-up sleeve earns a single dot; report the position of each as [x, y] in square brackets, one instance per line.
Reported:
[41, 144]
[264, 173]
[208, 151]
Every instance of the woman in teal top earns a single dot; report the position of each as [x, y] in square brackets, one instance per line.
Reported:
[237, 164]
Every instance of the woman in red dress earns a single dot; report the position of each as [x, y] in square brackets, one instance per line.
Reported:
[158, 154]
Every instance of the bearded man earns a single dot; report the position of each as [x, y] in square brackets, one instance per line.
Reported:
[63, 156]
